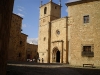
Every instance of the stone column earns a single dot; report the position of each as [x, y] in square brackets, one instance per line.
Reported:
[6, 7]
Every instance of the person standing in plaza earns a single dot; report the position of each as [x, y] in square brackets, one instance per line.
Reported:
[39, 59]
[42, 60]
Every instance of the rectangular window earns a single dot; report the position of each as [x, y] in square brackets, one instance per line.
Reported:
[55, 7]
[20, 42]
[86, 19]
[19, 55]
[87, 50]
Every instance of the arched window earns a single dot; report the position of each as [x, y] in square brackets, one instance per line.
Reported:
[45, 10]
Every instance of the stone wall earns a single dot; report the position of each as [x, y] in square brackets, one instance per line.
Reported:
[17, 41]
[14, 40]
[31, 51]
[84, 34]
[21, 53]
[59, 32]
[43, 42]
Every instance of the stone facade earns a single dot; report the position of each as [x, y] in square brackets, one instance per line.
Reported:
[31, 51]
[6, 7]
[18, 47]
[82, 34]
[22, 47]
[14, 41]
[73, 39]
[52, 44]
[17, 41]
[59, 32]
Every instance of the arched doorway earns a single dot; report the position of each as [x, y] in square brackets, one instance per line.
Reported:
[58, 56]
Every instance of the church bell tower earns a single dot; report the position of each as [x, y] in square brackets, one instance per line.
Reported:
[48, 12]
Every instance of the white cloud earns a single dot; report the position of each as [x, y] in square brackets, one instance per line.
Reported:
[23, 25]
[20, 14]
[20, 9]
[32, 41]
[72, 0]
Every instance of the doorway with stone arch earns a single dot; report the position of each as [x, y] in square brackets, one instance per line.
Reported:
[56, 55]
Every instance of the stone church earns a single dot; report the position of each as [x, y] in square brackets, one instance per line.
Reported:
[52, 45]
[73, 39]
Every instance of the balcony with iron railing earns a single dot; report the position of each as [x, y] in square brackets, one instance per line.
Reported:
[88, 53]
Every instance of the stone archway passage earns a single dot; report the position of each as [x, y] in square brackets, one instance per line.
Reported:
[58, 56]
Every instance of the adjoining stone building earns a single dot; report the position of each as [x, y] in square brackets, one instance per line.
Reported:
[84, 32]
[73, 39]
[15, 31]
[31, 52]
[22, 47]
[18, 47]
[17, 41]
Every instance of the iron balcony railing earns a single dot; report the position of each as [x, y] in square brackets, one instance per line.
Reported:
[88, 54]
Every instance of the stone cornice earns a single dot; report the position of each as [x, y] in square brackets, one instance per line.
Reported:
[79, 2]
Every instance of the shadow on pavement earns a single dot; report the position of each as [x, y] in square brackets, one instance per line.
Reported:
[22, 70]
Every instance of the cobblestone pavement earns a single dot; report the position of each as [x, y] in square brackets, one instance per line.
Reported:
[28, 68]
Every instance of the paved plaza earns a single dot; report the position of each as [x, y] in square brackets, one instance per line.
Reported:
[30, 68]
